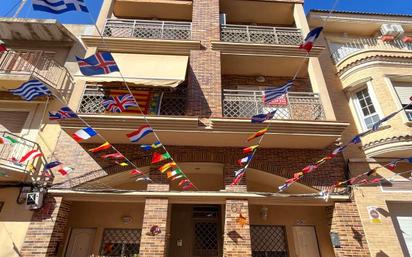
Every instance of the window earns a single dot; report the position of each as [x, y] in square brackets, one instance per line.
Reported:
[404, 92]
[268, 241]
[120, 242]
[366, 108]
[1, 206]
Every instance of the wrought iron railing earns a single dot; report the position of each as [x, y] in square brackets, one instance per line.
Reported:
[261, 35]
[341, 51]
[295, 106]
[409, 114]
[148, 29]
[38, 64]
[172, 103]
[10, 154]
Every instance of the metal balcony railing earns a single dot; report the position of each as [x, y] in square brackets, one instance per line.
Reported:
[148, 29]
[172, 104]
[261, 35]
[37, 63]
[409, 114]
[11, 154]
[246, 103]
[341, 51]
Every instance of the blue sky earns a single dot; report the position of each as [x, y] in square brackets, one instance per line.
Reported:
[386, 6]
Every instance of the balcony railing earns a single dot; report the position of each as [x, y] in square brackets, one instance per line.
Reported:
[343, 50]
[148, 29]
[172, 104]
[261, 35]
[36, 63]
[409, 114]
[246, 103]
[11, 153]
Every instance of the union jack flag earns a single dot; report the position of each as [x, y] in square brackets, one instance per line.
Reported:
[119, 103]
[100, 63]
[63, 113]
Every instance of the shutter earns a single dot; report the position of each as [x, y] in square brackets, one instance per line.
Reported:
[404, 92]
[12, 121]
[405, 225]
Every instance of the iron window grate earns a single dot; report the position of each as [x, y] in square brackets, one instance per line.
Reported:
[120, 242]
[268, 241]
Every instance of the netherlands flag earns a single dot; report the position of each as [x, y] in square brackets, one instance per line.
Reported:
[244, 160]
[311, 38]
[140, 133]
[84, 134]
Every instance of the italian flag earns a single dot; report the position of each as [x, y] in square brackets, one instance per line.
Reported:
[7, 140]
[173, 173]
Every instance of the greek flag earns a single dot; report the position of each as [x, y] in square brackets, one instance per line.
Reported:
[31, 89]
[271, 94]
[59, 6]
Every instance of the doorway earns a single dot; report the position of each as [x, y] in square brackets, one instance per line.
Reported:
[196, 231]
[306, 241]
[81, 242]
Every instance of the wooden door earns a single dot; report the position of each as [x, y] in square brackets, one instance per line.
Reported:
[306, 242]
[81, 242]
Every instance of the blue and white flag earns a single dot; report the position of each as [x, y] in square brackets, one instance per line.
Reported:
[59, 6]
[97, 64]
[271, 94]
[376, 126]
[31, 89]
[260, 118]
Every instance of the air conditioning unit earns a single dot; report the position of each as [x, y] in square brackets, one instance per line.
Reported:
[395, 30]
[34, 200]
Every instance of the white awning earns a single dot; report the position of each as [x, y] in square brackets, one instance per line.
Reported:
[147, 70]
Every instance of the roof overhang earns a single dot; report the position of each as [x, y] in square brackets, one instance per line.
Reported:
[219, 132]
[198, 197]
[17, 29]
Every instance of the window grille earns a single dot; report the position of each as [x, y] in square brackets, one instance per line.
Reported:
[206, 231]
[268, 241]
[120, 242]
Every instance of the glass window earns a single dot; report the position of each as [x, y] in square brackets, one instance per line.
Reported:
[404, 92]
[120, 242]
[366, 109]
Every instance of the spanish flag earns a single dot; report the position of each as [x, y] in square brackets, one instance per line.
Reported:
[104, 146]
[258, 134]
[250, 149]
[167, 166]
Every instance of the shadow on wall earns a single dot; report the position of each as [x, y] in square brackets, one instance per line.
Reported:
[357, 236]
[197, 104]
[381, 254]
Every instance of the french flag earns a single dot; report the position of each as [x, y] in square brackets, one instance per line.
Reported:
[244, 160]
[310, 39]
[140, 133]
[65, 170]
[84, 134]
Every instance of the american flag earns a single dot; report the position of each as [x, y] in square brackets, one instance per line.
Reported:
[119, 103]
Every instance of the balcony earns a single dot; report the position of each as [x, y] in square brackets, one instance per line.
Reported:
[261, 41]
[22, 64]
[361, 48]
[298, 105]
[261, 35]
[148, 29]
[146, 36]
[10, 154]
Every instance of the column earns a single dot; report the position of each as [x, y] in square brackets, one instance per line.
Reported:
[46, 230]
[155, 214]
[236, 238]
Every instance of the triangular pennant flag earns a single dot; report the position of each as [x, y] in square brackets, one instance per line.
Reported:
[257, 134]
[157, 157]
[250, 149]
[167, 166]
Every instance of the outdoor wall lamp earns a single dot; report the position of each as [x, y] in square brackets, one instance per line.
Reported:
[264, 213]
[260, 79]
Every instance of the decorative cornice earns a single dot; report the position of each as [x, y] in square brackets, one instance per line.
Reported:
[388, 140]
[264, 49]
[142, 46]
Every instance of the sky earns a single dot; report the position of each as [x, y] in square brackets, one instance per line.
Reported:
[8, 7]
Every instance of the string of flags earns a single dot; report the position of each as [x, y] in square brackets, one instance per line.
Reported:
[355, 140]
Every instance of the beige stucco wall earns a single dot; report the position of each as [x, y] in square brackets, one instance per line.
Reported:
[101, 215]
[14, 222]
[290, 216]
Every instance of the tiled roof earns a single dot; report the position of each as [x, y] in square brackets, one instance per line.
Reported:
[363, 13]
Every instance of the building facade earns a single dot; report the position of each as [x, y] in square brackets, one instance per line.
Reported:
[198, 69]
[367, 70]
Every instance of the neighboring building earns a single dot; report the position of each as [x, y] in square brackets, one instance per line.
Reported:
[199, 67]
[368, 72]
